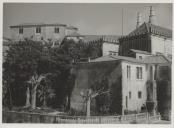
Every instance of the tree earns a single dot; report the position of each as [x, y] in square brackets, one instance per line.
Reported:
[20, 65]
[102, 101]
[35, 82]
[61, 61]
[29, 63]
[45, 92]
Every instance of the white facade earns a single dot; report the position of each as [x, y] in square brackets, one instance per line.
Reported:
[110, 48]
[133, 85]
[161, 45]
[141, 56]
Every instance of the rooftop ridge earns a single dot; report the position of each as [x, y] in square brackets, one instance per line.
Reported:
[151, 28]
[37, 24]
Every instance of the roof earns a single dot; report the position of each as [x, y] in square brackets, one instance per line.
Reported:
[74, 34]
[6, 41]
[36, 24]
[151, 28]
[141, 52]
[103, 58]
[71, 27]
[6, 38]
[159, 59]
[114, 57]
[89, 38]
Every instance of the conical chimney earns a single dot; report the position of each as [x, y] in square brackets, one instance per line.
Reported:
[152, 17]
[138, 20]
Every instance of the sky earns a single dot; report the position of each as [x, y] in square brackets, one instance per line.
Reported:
[90, 18]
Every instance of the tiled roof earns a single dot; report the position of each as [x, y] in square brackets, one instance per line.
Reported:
[151, 28]
[6, 41]
[74, 34]
[159, 59]
[139, 51]
[114, 57]
[71, 27]
[36, 24]
[103, 58]
[89, 38]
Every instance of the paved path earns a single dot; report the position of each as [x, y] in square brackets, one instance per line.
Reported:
[162, 122]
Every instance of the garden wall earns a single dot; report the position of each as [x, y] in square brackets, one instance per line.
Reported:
[104, 74]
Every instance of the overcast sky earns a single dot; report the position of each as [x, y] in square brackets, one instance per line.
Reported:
[91, 19]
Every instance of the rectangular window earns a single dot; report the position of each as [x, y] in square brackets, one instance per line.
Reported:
[126, 102]
[139, 73]
[38, 29]
[140, 57]
[20, 30]
[56, 30]
[139, 94]
[128, 71]
[129, 95]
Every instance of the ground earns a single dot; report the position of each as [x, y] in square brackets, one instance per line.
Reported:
[162, 122]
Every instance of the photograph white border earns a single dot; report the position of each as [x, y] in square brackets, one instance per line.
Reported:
[23, 125]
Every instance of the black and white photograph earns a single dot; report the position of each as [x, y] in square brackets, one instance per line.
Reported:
[87, 63]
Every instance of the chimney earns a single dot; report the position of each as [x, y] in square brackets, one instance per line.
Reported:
[152, 17]
[138, 20]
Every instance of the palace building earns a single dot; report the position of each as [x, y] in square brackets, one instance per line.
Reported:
[138, 76]
[147, 37]
[132, 83]
[42, 32]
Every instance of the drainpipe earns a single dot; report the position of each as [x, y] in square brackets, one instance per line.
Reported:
[89, 60]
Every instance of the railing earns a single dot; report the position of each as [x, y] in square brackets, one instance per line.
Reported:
[21, 117]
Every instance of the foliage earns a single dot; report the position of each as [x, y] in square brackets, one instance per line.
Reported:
[19, 66]
[45, 92]
[44, 69]
[47, 70]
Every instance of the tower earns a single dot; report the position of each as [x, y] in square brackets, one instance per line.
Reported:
[138, 20]
[152, 17]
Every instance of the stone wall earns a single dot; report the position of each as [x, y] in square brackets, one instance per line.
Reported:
[88, 74]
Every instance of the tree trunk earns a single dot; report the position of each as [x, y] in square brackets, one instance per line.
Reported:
[69, 101]
[44, 101]
[11, 104]
[27, 104]
[33, 98]
[88, 107]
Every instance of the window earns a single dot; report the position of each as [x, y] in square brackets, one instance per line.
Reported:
[158, 53]
[139, 94]
[129, 95]
[139, 73]
[128, 71]
[140, 57]
[126, 102]
[20, 30]
[169, 55]
[56, 30]
[38, 29]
